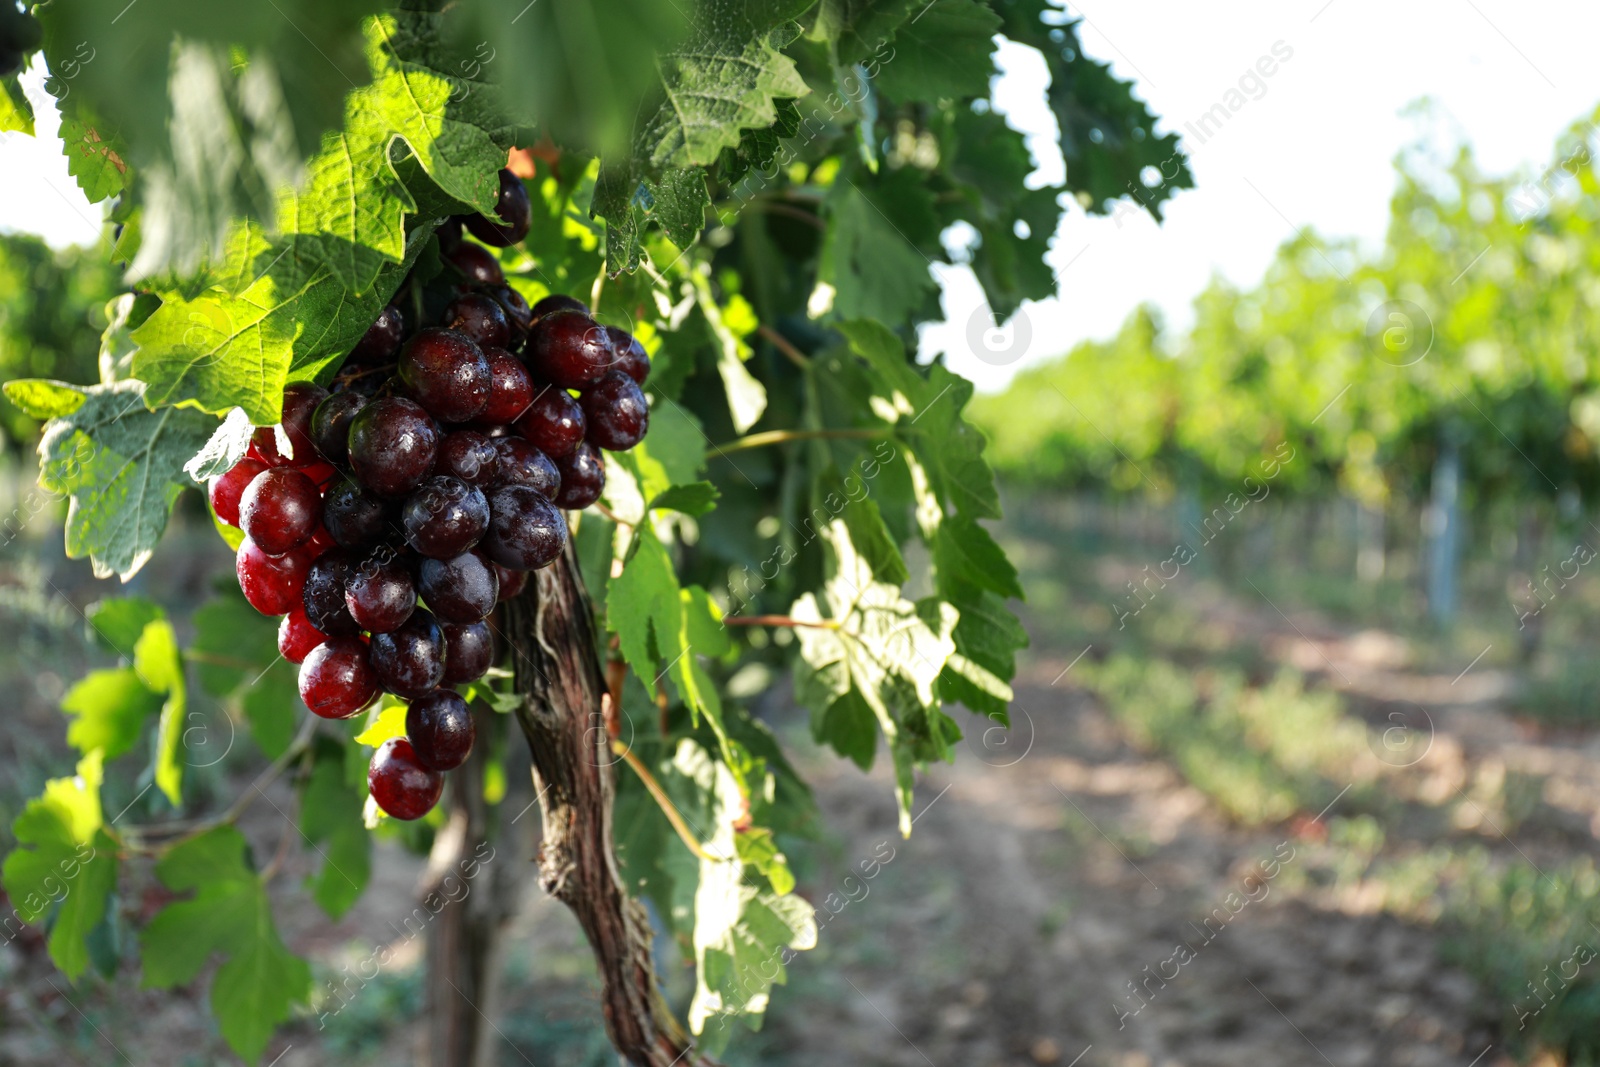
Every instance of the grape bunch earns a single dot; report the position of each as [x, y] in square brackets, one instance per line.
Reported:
[388, 515]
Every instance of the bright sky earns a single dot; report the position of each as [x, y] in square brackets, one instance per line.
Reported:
[1315, 149]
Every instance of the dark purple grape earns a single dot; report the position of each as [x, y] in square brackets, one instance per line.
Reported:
[280, 509]
[439, 725]
[526, 531]
[569, 349]
[521, 463]
[512, 583]
[300, 399]
[631, 357]
[495, 431]
[480, 319]
[558, 302]
[410, 660]
[469, 649]
[615, 412]
[323, 596]
[382, 339]
[446, 373]
[511, 387]
[477, 263]
[444, 517]
[516, 308]
[583, 476]
[513, 211]
[392, 446]
[330, 426]
[449, 234]
[470, 456]
[464, 589]
[400, 783]
[354, 517]
[336, 679]
[379, 593]
[554, 421]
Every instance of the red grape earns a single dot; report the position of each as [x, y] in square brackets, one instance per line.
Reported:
[558, 302]
[410, 660]
[583, 476]
[516, 308]
[468, 649]
[382, 339]
[300, 400]
[477, 263]
[297, 637]
[554, 422]
[330, 425]
[399, 782]
[463, 589]
[510, 388]
[271, 584]
[512, 583]
[227, 488]
[480, 319]
[615, 412]
[337, 679]
[379, 593]
[521, 463]
[440, 729]
[444, 517]
[354, 517]
[631, 357]
[322, 599]
[446, 373]
[569, 349]
[526, 531]
[513, 211]
[470, 456]
[280, 509]
[392, 446]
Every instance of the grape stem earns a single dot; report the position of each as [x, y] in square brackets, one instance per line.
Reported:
[664, 802]
[778, 437]
[780, 620]
[189, 829]
[784, 345]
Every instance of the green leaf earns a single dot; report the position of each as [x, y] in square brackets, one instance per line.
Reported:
[220, 351]
[122, 466]
[724, 81]
[235, 652]
[869, 261]
[944, 52]
[160, 666]
[390, 723]
[695, 498]
[747, 398]
[108, 710]
[330, 819]
[93, 161]
[882, 649]
[230, 914]
[117, 623]
[40, 398]
[16, 112]
[71, 865]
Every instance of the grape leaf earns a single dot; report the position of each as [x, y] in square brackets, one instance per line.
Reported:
[108, 710]
[226, 448]
[40, 398]
[695, 498]
[116, 623]
[869, 262]
[349, 214]
[16, 112]
[330, 815]
[93, 161]
[122, 466]
[230, 914]
[160, 667]
[71, 865]
[218, 351]
[945, 50]
[236, 657]
[877, 647]
[859, 28]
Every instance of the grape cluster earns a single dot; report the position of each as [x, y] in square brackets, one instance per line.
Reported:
[386, 517]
